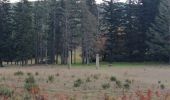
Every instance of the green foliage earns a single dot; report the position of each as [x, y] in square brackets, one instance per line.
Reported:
[106, 86]
[6, 44]
[30, 79]
[36, 73]
[23, 30]
[159, 82]
[78, 83]
[126, 86]
[158, 34]
[162, 86]
[4, 91]
[51, 78]
[88, 79]
[118, 84]
[30, 83]
[96, 76]
[19, 73]
[29, 74]
[128, 81]
[113, 78]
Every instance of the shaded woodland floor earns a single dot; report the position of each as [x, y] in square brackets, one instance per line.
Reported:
[86, 83]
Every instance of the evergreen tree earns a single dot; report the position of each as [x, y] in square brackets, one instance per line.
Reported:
[5, 31]
[24, 41]
[40, 14]
[114, 17]
[88, 28]
[53, 31]
[159, 33]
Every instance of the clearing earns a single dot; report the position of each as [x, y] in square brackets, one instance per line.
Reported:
[86, 83]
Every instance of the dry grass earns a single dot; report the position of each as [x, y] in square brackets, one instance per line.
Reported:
[142, 79]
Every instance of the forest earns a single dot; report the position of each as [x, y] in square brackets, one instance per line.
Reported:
[84, 50]
[49, 31]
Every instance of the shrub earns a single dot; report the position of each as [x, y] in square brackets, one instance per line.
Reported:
[30, 85]
[30, 79]
[162, 86]
[18, 73]
[96, 76]
[159, 82]
[113, 78]
[57, 75]
[7, 92]
[126, 86]
[118, 84]
[36, 73]
[106, 86]
[29, 74]
[128, 81]
[88, 79]
[51, 78]
[78, 83]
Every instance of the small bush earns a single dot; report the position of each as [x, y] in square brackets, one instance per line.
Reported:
[7, 92]
[57, 75]
[118, 84]
[78, 83]
[51, 78]
[159, 82]
[36, 73]
[29, 74]
[128, 81]
[18, 73]
[113, 78]
[96, 76]
[126, 86]
[30, 85]
[106, 86]
[88, 79]
[30, 79]
[162, 86]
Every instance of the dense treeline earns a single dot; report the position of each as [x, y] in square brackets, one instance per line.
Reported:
[49, 31]
[127, 25]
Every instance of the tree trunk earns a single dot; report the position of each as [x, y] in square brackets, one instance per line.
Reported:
[31, 61]
[97, 61]
[1, 65]
[22, 62]
[69, 60]
[56, 58]
[71, 54]
[74, 56]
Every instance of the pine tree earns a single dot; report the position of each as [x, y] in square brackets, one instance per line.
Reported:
[88, 26]
[159, 33]
[53, 29]
[114, 17]
[74, 24]
[23, 31]
[5, 31]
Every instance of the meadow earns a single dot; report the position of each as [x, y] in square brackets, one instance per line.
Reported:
[122, 81]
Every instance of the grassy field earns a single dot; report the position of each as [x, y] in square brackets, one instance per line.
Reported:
[117, 81]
